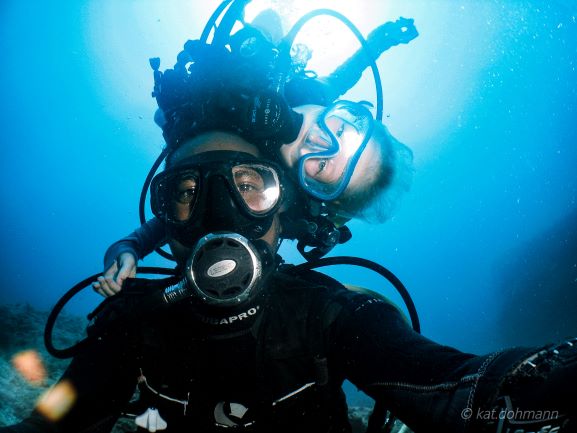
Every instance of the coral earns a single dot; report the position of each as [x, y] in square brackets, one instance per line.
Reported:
[21, 328]
[359, 418]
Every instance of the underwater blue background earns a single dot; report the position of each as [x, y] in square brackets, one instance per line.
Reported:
[486, 96]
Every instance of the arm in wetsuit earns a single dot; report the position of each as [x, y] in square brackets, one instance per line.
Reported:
[139, 243]
[437, 388]
[325, 90]
[121, 257]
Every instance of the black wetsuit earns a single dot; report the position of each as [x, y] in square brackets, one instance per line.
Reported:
[275, 366]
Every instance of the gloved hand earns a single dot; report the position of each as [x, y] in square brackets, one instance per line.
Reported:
[269, 116]
[263, 115]
[541, 391]
[390, 34]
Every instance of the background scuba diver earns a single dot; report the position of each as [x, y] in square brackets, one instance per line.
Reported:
[270, 353]
[326, 146]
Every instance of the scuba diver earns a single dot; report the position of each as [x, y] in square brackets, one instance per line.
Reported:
[342, 157]
[238, 341]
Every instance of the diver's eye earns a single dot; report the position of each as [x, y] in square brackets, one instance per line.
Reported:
[341, 130]
[246, 187]
[185, 197]
[185, 191]
[258, 187]
[247, 180]
[322, 165]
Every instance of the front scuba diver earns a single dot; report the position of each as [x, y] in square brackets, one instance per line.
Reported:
[221, 205]
[267, 349]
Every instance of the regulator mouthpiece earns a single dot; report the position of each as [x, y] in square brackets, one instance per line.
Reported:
[224, 269]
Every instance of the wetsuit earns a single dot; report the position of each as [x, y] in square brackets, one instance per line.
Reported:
[139, 243]
[277, 366]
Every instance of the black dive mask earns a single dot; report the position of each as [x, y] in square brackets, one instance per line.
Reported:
[217, 191]
[219, 204]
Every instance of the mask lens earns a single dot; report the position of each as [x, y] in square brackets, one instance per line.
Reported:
[333, 147]
[258, 186]
[176, 195]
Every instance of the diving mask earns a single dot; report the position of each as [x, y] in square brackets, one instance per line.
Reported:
[333, 147]
[254, 186]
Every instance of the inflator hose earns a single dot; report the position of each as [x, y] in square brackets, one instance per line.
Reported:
[364, 263]
[144, 191]
[211, 23]
[291, 35]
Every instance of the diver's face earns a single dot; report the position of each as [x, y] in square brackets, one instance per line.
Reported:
[247, 181]
[312, 140]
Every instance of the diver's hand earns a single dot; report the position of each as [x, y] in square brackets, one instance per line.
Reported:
[543, 383]
[111, 281]
[390, 34]
[261, 115]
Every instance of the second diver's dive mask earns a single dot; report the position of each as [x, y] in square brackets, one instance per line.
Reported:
[219, 204]
[332, 148]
